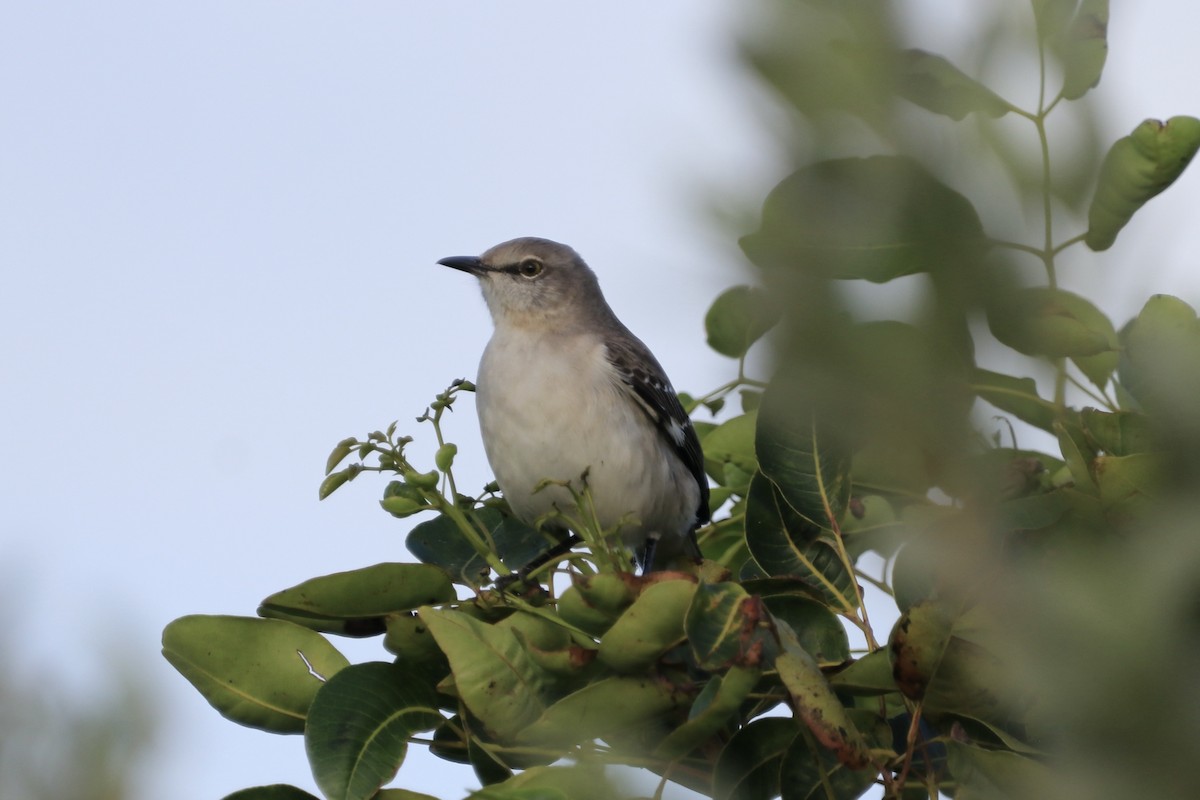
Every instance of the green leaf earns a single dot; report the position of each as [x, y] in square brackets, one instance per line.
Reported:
[409, 639]
[949, 661]
[333, 481]
[819, 708]
[359, 725]
[731, 442]
[1083, 48]
[874, 218]
[402, 794]
[439, 542]
[1136, 168]
[721, 698]
[724, 627]
[785, 544]
[1051, 322]
[581, 781]
[1017, 396]
[737, 319]
[493, 672]
[277, 791]
[809, 470]
[602, 710]
[262, 673]
[648, 628]
[356, 602]
[817, 629]
[343, 448]
[811, 773]
[936, 85]
[748, 767]
[453, 741]
[869, 675]
[918, 642]
[870, 523]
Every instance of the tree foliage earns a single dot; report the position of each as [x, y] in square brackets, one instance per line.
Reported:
[1031, 583]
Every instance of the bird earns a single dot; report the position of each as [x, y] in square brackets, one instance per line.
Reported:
[565, 393]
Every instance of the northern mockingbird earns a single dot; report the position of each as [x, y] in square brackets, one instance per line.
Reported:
[566, 393]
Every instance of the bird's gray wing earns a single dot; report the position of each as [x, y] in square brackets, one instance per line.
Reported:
[647, 383]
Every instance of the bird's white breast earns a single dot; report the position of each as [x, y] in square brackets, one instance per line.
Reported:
[550, 407]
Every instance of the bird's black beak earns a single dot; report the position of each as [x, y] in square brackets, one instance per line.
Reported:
[471, 264]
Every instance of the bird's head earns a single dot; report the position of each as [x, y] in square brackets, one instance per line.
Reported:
[534, 281]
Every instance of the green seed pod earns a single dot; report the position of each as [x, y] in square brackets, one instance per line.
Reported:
[423, 480]
[1136, 168]
[444, 457]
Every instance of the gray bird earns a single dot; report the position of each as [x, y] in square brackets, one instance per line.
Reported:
[566, 393]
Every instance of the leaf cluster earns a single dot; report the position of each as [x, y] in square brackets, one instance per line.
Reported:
[866, 460]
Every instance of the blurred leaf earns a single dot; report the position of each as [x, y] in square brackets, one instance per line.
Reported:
[1130, 484]
[1052, 16]
[1050, 322]
[359, 724]
[648, 628]
[715, 705]
[987, 773]
[607, 708]
[785, 544]
[731, 442]
[807, 468]
[1017, 396]
[262, 673]
[1083, 48]
[748, 767]
[493, 672]
[825, 58]
[1078, 454]
[1122, 433]
[1136, 168]
[1160, 363]
[874, 218]
[355, 602]
[936, 85]
[1032, 513]
[278, 791]
[737, 319]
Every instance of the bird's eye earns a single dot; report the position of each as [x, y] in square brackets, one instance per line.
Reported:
[530, 268]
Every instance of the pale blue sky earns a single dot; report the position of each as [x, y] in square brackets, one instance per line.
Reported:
[218, 229]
